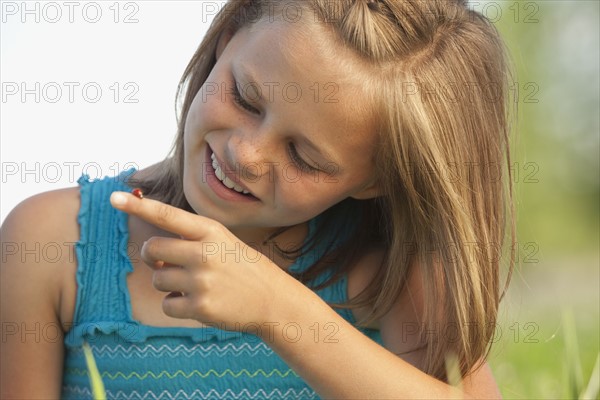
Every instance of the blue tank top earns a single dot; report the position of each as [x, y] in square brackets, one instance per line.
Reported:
[138, 361]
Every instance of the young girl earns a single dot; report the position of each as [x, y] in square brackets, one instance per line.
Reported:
[329, 223]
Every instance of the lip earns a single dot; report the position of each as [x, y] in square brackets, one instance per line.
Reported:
[218, 187]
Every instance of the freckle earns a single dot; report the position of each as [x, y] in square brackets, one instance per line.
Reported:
[137, 192]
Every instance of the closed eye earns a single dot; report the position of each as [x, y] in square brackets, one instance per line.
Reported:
[239, 100]
[298, 160]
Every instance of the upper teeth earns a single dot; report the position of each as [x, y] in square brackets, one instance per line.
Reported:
[221, 176]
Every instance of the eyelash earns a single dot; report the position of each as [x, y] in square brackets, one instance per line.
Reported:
[300, 163]
[239, 100]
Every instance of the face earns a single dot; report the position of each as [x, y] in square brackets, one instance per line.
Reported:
[275, 137]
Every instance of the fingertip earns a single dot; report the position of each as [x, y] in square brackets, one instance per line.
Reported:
[118, 199]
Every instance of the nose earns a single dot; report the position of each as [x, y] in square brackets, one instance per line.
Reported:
[252, 152]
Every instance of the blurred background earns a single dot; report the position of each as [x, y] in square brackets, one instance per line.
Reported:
[550, 329]
[90, 89]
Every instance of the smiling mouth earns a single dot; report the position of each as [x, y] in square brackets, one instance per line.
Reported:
[228, 183]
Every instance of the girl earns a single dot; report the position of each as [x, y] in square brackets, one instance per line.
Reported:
[328, 224]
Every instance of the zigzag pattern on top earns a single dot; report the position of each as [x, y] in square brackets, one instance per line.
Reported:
[290, 394]
[200, 349]
[182, 374]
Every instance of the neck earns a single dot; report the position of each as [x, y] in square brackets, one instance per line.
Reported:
[293, 235]
[263, 241]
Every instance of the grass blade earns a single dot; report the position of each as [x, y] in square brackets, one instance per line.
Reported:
[95, 378]
[593, 387]
[573, 365]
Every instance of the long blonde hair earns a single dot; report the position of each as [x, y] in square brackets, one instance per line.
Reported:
[439, 84]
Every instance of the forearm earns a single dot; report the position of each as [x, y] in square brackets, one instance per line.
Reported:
[346, 364]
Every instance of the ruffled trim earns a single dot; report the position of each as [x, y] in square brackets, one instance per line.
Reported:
[135, 332]
[82, 219]
[123, 227]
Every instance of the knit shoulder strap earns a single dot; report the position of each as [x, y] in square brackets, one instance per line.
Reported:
[102, 259]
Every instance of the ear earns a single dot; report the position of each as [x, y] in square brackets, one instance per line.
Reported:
[222, 42]
[368, 192]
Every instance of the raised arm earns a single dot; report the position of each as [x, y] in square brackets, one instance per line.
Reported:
[350, 365]
[330, 354]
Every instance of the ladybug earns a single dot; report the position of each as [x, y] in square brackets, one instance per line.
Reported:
[137, 192]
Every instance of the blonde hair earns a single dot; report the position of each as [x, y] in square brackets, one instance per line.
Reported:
[439, 83]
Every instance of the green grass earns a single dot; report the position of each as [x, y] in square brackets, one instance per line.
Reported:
[549, 338]
[544, 370]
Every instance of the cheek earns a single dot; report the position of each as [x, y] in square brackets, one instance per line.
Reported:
[208, 109]
[310, 195]
[191, 120]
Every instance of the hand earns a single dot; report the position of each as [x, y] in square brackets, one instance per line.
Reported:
[213, 277]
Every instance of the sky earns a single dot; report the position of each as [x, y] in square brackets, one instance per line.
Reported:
[89, 88]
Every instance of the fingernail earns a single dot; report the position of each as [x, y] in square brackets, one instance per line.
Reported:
[118, 199]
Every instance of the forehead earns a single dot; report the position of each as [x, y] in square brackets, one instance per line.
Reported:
[305, 72]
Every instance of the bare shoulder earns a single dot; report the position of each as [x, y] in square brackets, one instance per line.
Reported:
[481, 384]
[37, 278]
[46, 217]
[50, 199]
[38, 238]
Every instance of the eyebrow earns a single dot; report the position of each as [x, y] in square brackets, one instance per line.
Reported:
[246, 75]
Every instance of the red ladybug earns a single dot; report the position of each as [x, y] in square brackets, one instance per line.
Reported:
[137, 192]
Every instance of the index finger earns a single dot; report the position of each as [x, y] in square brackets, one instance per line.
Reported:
[162, 215]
